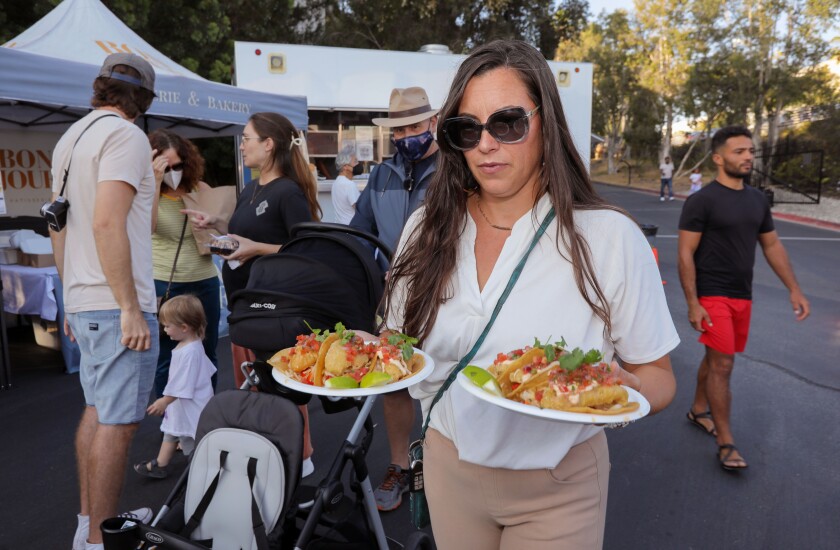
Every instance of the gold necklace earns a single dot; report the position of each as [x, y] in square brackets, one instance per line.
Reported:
[483, 215]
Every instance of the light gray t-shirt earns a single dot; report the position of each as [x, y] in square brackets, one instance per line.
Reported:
[666, 169]
[113, 149]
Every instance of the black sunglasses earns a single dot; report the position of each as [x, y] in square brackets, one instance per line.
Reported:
[505, 125]
[177, 167]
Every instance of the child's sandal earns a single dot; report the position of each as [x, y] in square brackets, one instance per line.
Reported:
[151, 469]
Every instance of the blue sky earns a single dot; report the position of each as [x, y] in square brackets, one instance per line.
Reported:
[597, 6]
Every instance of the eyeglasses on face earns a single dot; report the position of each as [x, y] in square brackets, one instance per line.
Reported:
[246, 138]
[509, 125]
[177, 167]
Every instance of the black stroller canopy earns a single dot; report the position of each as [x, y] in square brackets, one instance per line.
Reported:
[318, 279]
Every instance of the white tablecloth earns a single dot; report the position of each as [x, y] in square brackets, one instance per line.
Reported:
[29, 291]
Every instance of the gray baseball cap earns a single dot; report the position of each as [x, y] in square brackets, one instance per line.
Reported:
[147, 73]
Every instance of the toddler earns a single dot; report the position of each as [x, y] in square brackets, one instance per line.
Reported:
[188, 389]
[696, 181]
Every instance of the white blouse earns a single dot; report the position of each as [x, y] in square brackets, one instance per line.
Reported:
[545, 303]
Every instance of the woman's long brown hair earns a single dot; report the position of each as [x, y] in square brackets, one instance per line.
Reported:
[427, 264]
[287, 157]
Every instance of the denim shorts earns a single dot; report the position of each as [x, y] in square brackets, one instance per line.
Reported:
[116, 380]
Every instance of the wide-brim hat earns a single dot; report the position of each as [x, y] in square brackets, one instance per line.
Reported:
[147, 73]
[407, 106]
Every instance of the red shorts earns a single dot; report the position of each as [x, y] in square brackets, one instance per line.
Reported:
[730, 323]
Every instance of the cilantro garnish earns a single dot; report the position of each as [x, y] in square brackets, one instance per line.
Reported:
[320, 334]
[571, 361]
[404, 342]
[592, 357]
[551, 350]
[576, 358]
[344, 335]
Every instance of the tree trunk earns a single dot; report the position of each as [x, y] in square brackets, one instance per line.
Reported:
[669, 131]
[679, 173]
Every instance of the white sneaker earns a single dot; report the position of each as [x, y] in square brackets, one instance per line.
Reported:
[82, 532]
[308, 468]
[670, 198]
[661, 199]
[143, 515]
[80, 542]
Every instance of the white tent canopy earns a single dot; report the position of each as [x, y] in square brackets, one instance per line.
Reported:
[47, 72]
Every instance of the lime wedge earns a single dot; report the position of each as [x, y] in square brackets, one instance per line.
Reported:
[375, 379]
[342, 383]
[483, 379]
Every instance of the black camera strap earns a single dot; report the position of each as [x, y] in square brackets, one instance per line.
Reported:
[69, 162]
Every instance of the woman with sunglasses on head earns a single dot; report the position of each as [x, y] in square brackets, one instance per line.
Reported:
[179, 168]
[283, 195]
[495, 478]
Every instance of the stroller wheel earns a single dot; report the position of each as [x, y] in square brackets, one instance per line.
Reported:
[420, 540]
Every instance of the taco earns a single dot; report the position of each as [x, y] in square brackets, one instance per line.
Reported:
[395, 356]
[514, 361]
[300, 362]
[568, 381]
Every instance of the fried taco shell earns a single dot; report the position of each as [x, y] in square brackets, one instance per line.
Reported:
[318, 369]
[526, 359]
[281, 360]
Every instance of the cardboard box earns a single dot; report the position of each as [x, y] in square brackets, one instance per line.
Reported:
[46, 333]
[36, 260]
[8, 256]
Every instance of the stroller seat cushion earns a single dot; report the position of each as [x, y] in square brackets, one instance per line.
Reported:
[227, 520]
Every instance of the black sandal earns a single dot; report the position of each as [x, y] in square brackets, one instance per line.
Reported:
[730, 450]
[151, 469]
[693, 418]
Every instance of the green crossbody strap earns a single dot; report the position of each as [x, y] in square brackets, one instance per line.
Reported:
[468, 357]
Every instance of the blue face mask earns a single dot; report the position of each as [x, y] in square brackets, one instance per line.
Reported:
[414, 147]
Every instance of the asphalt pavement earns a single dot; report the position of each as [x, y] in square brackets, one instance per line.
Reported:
[667, 490]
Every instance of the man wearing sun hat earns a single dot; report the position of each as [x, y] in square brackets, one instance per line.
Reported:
[395, 189]
[104, 257]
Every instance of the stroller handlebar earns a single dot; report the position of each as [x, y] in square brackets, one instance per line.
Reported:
[325, 227]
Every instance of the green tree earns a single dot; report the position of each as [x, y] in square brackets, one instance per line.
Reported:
[611, 46]
[665, 38]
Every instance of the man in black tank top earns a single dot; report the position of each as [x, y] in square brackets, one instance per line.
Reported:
[719, 228]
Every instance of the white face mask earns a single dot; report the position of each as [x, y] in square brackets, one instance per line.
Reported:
[173, 178]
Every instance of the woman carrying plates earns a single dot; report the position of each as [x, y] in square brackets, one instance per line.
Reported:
[496, 478]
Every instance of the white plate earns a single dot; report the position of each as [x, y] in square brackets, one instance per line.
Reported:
[562, 416]
[358, 392]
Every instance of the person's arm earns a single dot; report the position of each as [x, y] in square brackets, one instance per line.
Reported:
[777, 257]
[110, 214]
[687, 244]
[159, 165]
[159, 406]
[364, 219]
[250, 249]
[654, 380]
[203, 220]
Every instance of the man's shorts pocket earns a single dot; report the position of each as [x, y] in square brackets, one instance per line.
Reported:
[103, 334]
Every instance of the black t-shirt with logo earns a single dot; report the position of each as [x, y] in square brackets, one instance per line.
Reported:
[264, 214]
[730, 221]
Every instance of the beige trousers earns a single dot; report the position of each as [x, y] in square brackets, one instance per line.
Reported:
[482, 508]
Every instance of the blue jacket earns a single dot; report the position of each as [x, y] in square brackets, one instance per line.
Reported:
[385, 206]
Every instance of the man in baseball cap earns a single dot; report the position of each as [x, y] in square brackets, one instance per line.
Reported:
[103, 252]
[111, 69]
[395, 189]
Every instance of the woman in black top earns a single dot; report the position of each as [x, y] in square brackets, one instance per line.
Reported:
[284, 194]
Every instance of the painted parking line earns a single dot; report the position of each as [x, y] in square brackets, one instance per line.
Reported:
[827, 239]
